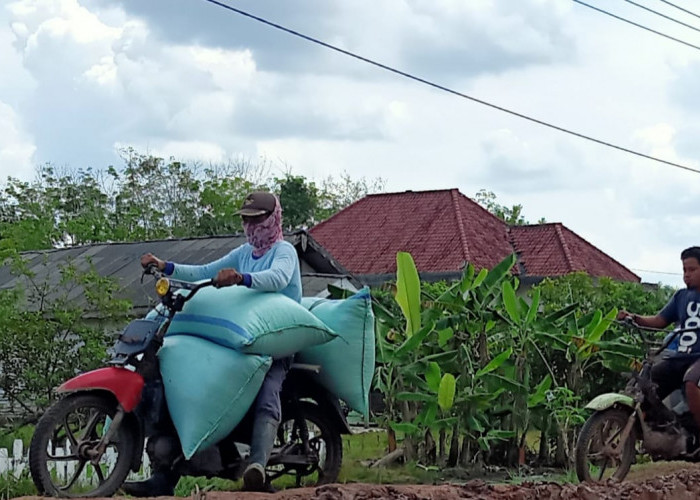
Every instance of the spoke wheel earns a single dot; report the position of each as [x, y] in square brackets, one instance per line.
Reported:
[62, 452]
[321, 464]
[600, 455]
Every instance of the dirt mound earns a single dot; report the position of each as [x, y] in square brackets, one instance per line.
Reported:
[681, 485]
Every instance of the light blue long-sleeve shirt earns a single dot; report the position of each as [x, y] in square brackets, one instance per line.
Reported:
[276, 271]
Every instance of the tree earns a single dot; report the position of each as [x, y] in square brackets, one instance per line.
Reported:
[510, 215]
[336, 194]
[299, 198]
[44, 338]
[149, 197]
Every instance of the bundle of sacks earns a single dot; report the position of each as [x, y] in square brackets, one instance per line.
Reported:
[219, 347]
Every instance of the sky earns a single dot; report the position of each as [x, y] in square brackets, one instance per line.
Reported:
[81, 79]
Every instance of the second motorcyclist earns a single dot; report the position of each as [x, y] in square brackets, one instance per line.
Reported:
[680, 363]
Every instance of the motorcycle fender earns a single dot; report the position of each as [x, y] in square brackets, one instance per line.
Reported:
[605, 401]
[126, 385]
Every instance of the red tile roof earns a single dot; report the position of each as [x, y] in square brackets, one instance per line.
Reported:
[444, 229]
[554, 250]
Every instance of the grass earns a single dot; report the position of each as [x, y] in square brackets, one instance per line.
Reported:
[361, 449]
[358, 451]
[7, 437]
[12, 487]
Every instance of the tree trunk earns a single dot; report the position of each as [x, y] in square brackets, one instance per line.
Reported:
[560, 459]
[430, 449]
[391, 437]
[453, 457]
[389, 459]
[443, 447]
[543, 453]
[522, 449]
[464, 454]
[409, 446]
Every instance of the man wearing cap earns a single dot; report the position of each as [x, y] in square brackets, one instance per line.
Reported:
[266, 263]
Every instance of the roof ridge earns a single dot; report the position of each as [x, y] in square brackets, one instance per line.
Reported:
[411, 191]
[596, 249]
[460, 223]
[564, 246]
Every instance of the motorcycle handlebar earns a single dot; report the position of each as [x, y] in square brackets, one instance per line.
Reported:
[630, 322]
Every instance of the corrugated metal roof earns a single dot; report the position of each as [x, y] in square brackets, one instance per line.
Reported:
[121, 262]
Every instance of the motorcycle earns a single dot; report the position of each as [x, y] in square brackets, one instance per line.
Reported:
[607, 445]
[96, 434]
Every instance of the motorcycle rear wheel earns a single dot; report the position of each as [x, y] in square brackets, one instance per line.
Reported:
[325, 443]
[600, 435]
[59, 459]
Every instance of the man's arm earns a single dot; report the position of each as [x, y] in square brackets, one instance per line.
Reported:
[192, 273]
[656, 321]
[665, 317]
[280, 273]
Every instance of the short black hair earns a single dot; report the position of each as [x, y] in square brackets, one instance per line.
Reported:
[691, 252]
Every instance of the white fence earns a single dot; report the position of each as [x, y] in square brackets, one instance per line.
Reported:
[18, 462]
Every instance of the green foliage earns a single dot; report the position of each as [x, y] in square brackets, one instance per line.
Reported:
[408, 291]
[510, 215]
[24, 433]
[45, 338]
[153, 198]
[299, 198]
[491, 363]
[12, 487]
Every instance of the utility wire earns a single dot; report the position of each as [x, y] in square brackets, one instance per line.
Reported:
[680, 8]
[450, 91]
[662, 15]
[635, 24]
[655, 272]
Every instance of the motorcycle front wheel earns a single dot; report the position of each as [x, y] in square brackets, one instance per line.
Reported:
[599, 453]
[60, 454]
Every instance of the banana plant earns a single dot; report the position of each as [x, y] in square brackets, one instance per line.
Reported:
[531, 338]
[400, 354]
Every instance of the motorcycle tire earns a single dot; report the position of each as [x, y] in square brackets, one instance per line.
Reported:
[330, 436]
[77, 422]
[601, 429]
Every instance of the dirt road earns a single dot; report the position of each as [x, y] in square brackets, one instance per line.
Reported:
[680, 485]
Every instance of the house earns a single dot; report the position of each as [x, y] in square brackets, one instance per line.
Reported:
[443, 230]
[120, 261]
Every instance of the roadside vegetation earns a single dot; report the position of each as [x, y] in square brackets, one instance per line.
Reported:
[479, 377]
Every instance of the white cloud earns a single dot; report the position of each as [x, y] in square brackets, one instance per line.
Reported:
[16, 149]
[83, 77]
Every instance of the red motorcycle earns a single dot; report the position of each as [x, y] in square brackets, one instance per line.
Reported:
[87, 443]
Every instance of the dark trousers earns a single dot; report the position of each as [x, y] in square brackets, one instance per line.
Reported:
[671, 373]
[267, 402]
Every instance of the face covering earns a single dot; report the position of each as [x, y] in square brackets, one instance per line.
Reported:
[266, 233]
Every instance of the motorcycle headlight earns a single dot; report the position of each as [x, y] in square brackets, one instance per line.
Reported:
[162, 286]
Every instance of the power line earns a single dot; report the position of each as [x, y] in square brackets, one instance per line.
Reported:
[655, 272]
[662, 15]
[680, 8]
[450, 91]
[635, 24]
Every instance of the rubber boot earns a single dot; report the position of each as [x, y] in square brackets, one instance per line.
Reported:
[264, 433]
[161, 483]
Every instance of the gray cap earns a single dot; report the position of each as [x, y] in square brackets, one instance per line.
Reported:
[258, 203]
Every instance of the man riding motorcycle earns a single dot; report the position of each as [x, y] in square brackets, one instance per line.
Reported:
[266, 263]
[680, 362]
